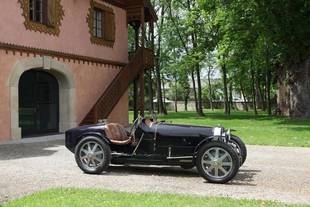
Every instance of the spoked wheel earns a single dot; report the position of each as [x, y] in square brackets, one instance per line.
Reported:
[217, 162]
[92, 155]
[240, 147]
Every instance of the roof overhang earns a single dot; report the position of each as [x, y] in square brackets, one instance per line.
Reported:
[134, 11]
[117, 3]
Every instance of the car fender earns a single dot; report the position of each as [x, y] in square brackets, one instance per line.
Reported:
[208, 139]
[96, 134]
[202, 142]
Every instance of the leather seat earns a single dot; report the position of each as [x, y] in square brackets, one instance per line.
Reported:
[148, 122]
[117, 134]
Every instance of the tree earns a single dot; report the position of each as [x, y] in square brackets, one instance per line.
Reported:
[160, 105]
[267, 36]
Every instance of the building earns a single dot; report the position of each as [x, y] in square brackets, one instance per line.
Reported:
[64, 63]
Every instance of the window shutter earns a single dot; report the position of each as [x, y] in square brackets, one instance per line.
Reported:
[109, 26]
[51, 12]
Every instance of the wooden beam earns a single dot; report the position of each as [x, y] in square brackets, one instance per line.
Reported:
[141, 77]
[41, 52]
[117, 3]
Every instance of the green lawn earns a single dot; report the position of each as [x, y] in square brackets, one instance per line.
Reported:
[102, 198]
[259, 130]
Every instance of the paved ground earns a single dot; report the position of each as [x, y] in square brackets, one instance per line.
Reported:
[271, 173]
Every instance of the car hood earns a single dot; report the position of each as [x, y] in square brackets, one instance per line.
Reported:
[179, 130]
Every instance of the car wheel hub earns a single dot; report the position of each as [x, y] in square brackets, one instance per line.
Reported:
[216, 162]
[91, 155]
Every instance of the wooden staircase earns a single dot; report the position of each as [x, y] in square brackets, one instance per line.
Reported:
[141, 59]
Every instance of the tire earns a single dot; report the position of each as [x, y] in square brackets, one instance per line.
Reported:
[240, 146]
[187, 166]
[92, 155]
[217, 162]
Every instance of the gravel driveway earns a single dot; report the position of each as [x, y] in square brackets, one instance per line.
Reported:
[271, 173]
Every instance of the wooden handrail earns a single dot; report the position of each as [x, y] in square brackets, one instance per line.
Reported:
[110, 97]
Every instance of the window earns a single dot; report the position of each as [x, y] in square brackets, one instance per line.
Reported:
[98, 23]
[36, 10]
[42, 15]
[101, 22]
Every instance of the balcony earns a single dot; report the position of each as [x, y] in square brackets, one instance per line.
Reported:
[147, 55]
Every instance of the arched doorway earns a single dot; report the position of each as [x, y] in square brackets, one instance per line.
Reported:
[38, 93]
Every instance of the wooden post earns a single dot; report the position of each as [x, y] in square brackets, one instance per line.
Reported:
[135, 82]
[150, 70]
[141, 76]
[136, 26]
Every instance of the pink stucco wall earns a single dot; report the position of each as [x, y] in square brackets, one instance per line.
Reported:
[90, 82]
[5, 121]
[74, 32]
[90, 79]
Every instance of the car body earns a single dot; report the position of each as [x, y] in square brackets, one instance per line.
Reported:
[158, 143]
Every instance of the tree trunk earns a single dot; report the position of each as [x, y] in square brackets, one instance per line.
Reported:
[226, 104]
[194, 90]
[150, 92]
[185, 104]
[263, 90]
[160, 105]
[268, 82]
[244, 98]
[210, 89]
[164, 98]
[176, 96]
[150, 88]
[231, 104]
[299, 89]
[258, 93]
[268, 86]
[282, 93]
[199, 90]
[253, 91]
[197, 68]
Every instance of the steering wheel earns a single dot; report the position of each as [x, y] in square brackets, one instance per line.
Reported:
[135, 126]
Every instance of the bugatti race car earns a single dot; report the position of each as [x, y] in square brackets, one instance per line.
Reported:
[214, 151]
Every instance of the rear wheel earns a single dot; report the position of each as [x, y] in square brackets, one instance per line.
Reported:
[92, 155]
[217, 162]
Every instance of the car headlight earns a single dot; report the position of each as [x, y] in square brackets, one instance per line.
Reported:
[217, 131]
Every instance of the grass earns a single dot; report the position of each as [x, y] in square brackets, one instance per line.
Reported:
[65, 197]
[259, 130]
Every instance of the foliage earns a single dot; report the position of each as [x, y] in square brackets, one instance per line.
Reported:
[217, 91]
[250, 41]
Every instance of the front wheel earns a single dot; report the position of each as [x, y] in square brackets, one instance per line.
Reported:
[240, 146]
[92, 155]
[217, 162]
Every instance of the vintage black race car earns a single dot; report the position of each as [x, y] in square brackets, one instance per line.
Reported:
[216, 153]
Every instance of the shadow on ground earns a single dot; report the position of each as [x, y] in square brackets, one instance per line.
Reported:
[243, 177]
[150, 170]
[17, 151]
